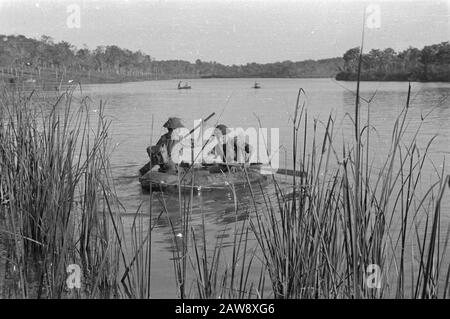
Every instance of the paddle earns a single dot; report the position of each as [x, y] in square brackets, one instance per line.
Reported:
[281, 171]
[290, 172]
[200, 124]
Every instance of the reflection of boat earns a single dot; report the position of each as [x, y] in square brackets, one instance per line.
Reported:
[201, 179]
[256, 85]
[185, 86]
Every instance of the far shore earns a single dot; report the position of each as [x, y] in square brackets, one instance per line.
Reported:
[46, 82]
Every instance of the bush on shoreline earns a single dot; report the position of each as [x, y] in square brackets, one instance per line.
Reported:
[431, 64]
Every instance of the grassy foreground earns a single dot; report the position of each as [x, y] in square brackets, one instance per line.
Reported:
[338, 222]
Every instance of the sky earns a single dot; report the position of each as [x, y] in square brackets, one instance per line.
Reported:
[232, 31]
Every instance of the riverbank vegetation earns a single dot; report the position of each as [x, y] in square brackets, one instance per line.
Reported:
[49, 64]
[431, 63]
[57, 202]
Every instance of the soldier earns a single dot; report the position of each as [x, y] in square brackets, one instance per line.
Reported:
[231, 149]
[160, 154]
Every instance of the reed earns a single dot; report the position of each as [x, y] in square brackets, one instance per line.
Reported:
[216, 270]
[342, 217]
[58, 203]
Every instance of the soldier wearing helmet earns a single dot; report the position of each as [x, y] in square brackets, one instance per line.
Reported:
[160, 153]
[230, 147]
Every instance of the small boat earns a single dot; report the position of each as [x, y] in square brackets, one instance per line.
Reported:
[185, 86]
[256, 85]
[207, 178]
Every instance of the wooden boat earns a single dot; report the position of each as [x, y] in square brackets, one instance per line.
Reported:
[256, 85]
[201, 179]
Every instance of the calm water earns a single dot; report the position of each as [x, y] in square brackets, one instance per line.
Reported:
[132, 106]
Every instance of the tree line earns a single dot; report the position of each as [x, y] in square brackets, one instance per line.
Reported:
[44, 54]
[431, 63]
[22, 57]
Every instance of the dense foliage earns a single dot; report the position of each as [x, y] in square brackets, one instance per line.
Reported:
[432, 63]
[23, 58]
[44, 54]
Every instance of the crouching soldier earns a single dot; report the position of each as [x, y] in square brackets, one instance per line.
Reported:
[160, 154]
[231, 149]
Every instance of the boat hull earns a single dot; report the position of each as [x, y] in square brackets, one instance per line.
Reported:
[201, 180]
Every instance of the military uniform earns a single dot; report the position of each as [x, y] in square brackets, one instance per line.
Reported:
[231, 149]
[160, 153]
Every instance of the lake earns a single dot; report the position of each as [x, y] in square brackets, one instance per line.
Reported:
[133, 106]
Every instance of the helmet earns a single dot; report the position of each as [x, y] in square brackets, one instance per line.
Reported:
[173, 123]
[223, 129]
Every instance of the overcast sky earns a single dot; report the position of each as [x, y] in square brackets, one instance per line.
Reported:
[231, 32]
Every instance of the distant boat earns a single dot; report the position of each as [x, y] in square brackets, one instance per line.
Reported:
[185, 86]
[256, 85]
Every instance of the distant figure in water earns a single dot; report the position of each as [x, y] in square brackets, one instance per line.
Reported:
[184, 86]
